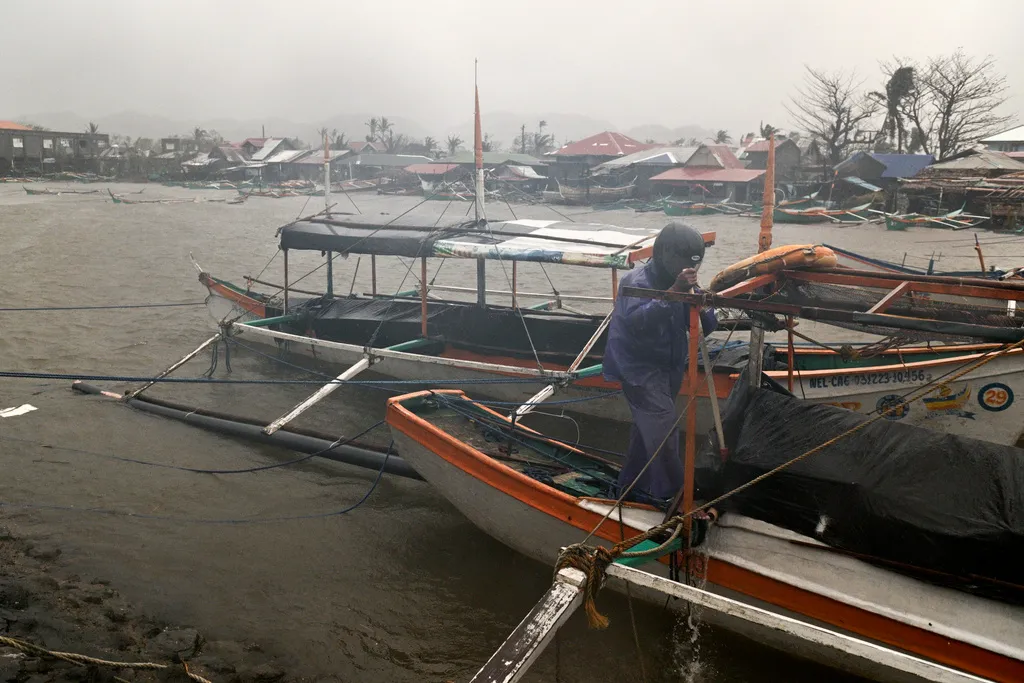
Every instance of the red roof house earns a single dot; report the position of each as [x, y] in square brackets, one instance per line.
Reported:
[607, 144]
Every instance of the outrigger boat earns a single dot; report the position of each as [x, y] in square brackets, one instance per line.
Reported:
[838, 596]
[55, 192]
[954, 220]
[820, 214]
[675, 208]
[594, 194]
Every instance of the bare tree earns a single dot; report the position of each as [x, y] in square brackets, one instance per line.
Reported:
[832, 109]
[338, 140]
[956, 103]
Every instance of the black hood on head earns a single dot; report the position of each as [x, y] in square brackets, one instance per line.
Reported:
[677, 246]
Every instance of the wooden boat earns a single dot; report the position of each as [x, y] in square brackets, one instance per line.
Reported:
[537, 495]
[432, 340]
[55, 192]
[820, 214]
[594, 194]
[674, 208]
[954, 220]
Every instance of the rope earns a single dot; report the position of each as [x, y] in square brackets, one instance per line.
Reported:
[261, 468]
[192, 520]
[100, 308]
[86, 661]
[206, 380]
[593, 561]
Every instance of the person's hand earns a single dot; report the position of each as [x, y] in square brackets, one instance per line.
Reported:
[686, 280]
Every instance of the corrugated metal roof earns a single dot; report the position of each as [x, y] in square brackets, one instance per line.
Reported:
[709, 175]
[606, 144]
[316, 157]
[358, 146]
[256, 142]
[431, 169]
[854, 180]
[903, 165]
[762, 145]
[524, 172]
[388, 160]
[1012, 135]
[201, 159]
[11, 125]
[495, 159]
[979, 159]
[269, 146]
[656, 156]
[285, 156]
[232, 154]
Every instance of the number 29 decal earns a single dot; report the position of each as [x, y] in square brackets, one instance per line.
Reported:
[995, 397]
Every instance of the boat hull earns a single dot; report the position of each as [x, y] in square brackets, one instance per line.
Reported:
[746, 560]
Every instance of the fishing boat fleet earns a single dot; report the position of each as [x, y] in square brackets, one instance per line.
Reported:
[857, 504]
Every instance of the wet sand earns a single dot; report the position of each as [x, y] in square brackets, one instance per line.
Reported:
[401, 589]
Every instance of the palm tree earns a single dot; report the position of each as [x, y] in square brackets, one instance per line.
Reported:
[384, 128]
[373, 124]
[321, 134]
[430, 145]
[722, 137]
[338, 140]
[899, 87]
[767, 130]
[454, 142]
[92, 128]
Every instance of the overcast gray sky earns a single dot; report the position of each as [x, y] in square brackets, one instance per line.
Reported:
[723, 64]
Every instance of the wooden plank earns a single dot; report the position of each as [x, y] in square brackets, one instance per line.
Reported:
[845, 646]
[1004, 290]
[320, 394]
[401, 355]
[890, 298]
[748, 286]
[521, 649]
[212, 340]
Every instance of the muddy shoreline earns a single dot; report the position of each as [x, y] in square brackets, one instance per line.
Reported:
[43, 603]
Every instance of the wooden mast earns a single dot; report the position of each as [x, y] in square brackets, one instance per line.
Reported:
[764, 238]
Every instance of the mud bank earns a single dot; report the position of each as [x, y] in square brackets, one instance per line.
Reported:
[44, 604]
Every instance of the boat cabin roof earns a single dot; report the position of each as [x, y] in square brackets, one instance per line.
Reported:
[579, 244]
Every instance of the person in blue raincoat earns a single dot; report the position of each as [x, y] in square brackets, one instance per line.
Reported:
[646, 353]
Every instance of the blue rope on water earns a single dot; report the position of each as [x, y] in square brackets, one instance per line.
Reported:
[192, 520]
[162, 465]
[318, 382]
[99, 308]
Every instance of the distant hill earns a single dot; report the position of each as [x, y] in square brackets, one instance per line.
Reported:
[666, 134]
[138, 124]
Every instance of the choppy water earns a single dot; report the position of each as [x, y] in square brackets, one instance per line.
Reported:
[402, 589]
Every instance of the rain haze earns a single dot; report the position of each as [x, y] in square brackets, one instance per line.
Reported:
[582, 66]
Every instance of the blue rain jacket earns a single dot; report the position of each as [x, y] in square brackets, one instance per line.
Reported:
[647, 337]
[646, 352]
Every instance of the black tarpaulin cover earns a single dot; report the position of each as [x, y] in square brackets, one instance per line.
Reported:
[949, 506]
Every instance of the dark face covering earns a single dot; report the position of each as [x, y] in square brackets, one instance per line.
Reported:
[677, 247]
